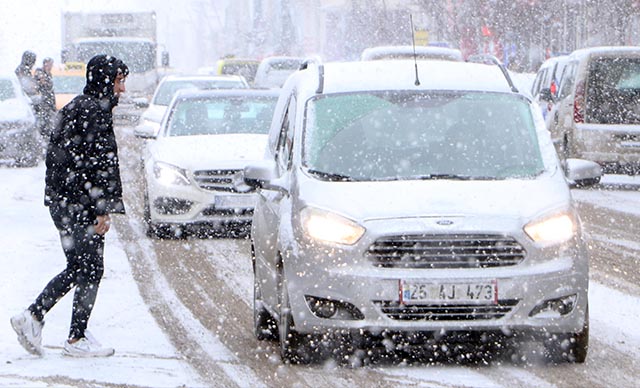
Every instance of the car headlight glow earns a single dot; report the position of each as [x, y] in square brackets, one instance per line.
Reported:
[556, 229]
[168, 174]
[330, 227]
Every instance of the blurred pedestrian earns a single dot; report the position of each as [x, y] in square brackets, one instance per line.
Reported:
[24, 71]
[45, 110]
[82, 189]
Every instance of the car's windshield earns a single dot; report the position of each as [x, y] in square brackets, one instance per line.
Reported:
[169, 88]
[6, 90]
[435, 135]
[221, 115]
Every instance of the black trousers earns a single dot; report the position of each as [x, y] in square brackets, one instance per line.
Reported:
[85, 265]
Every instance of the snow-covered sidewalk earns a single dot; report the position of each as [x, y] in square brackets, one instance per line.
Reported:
[30, 255]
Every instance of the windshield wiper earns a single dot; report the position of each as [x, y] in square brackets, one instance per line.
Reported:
[330, 176]
[452, 177]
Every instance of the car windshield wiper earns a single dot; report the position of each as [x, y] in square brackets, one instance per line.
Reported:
[330, 176]
[452, 177]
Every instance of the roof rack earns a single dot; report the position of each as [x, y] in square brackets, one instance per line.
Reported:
[315, 61]
[488, 59]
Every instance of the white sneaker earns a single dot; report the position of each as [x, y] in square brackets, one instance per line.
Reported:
[86, 348]
[29, 332]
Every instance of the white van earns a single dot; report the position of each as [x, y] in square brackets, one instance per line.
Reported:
[597, 116]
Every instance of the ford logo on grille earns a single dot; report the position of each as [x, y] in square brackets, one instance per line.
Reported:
[444, 222]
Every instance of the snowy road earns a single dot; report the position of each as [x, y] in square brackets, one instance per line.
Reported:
[200, 291]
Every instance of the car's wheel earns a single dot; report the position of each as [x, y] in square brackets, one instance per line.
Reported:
[569, 347]
[294, 347]
[31, 154]
[27, 161]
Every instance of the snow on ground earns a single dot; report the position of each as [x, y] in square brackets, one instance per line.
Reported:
[30, 255]
[627, 199]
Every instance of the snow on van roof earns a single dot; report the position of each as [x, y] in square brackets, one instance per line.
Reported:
[400, 75]
[398, 52]
[580, 53]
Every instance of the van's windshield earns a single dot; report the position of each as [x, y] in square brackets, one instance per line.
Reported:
[407, 135]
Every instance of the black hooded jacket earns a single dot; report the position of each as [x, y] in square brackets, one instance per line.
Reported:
[82, 156]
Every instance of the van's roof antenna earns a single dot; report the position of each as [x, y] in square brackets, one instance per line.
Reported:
[415, 57]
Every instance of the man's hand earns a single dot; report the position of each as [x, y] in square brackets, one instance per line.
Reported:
[103, 225]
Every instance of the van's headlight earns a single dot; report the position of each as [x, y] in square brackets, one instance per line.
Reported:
[168, 174]
[330, 227]
[556, 229]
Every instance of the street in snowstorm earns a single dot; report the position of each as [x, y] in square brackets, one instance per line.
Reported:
[327, 193]
[192, 322]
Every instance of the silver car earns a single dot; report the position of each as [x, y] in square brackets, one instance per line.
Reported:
[388, 209]
[20, 141]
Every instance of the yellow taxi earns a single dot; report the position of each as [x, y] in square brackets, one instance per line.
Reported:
[68, 82]
[238, 66]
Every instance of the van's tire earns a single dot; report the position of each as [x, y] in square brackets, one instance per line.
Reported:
[569, 347]
[295, 348]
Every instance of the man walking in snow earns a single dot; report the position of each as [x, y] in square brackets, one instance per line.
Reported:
[83, 188]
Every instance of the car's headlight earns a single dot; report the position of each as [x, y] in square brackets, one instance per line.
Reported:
[168, 174]
[556, 229]
[330, 227]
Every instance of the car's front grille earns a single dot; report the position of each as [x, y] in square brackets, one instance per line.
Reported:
[446, 251]
[446, 312]
[174, 206]
[217, 180]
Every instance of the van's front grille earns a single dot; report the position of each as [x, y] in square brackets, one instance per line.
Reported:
[446, 312]
[217, 180]
[446, 251]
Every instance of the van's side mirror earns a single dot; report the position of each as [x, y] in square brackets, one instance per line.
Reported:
[546, 95]
[582, 173]
[264, 175]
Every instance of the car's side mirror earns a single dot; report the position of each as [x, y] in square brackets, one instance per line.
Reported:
[582, 173]
[546, 95]
[145, 132]
[141, 102]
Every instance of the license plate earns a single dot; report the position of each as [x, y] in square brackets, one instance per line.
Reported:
[235, 201]
[475, 292]
[630, 144]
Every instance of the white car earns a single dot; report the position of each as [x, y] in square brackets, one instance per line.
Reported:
[20, 143]
[169, 85]
[407, 52]
[206, 139]
[394, 212]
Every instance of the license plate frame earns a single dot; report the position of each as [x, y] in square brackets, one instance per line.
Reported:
[235, 201]
[464, 292]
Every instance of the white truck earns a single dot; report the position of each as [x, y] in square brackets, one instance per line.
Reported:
[130, 36]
